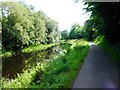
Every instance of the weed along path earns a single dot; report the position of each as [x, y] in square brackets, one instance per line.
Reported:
[98, 70]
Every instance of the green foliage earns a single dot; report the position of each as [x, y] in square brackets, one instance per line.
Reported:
[53, 35]
[5, 54]
[40, 29]
[64, 34]
[22, 27]
[112, 50]
[56, 73]
[62, 71]
[75, 32]
[29, 49]
[90, 28]
[13, 34]
[36, 48]
[23, 80]
[105, 19]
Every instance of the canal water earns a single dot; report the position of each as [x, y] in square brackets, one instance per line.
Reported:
[16, 63]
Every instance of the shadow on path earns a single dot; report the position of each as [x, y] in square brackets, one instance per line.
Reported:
[98, 70]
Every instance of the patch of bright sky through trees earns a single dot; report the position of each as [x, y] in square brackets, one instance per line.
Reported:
[66, 12]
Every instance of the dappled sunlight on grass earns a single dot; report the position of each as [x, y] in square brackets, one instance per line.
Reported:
[36, 48]
[29, 49]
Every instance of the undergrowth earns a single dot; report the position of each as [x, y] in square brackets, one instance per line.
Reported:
[56, 73]
[112, 50]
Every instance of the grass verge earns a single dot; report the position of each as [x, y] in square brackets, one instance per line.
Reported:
[36, 48]
[113, 51]
[29, 49]
[61, 72]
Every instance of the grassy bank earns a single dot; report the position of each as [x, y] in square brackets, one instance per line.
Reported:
[113, 51]
[29, 49]
[56, 73]
[61, 72]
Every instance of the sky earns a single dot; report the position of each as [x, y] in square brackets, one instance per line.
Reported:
[66, 12]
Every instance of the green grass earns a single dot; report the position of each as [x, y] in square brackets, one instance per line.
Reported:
[61, 72]
[36, 48]
[113, 51]
[29, 49]
[56, 73]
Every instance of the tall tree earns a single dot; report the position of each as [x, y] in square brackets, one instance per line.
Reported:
[52, 30]
[22, 27]
[15, 23]
[109, 14]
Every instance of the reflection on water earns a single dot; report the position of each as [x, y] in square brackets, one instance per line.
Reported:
[16, 63]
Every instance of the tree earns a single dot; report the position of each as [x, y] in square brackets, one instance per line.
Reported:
[75, 32]
[64, 34]
[109, 14]
[15, 24]
[39, 24]
[22, 27]
[92, 28]
[52, 31]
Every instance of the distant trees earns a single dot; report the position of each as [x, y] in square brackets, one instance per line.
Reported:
[22, 27]
[75, 32]
[90, 29]
[64, 34]
[104, 20]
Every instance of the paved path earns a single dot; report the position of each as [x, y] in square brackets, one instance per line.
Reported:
[98, 70]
